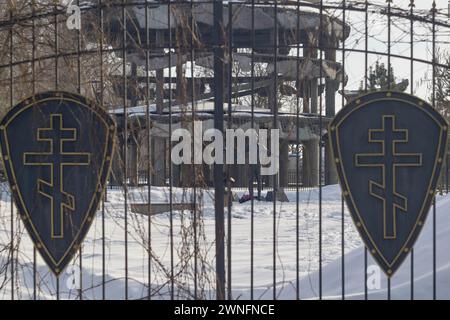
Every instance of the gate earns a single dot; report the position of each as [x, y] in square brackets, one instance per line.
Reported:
[173, 231]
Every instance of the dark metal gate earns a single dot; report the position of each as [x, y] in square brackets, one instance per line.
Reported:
[172, 231]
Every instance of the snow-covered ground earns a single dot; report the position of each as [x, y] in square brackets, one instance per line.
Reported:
[183, 253]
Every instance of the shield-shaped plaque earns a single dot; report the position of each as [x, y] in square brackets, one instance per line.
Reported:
[388, 148]
[56, 150]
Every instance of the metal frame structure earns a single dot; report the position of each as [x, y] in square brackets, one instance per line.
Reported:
[165, 37]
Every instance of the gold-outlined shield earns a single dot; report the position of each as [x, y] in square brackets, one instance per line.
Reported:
[388, 148]
[57, 150]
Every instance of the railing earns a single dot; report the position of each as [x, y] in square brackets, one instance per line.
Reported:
[219, 249]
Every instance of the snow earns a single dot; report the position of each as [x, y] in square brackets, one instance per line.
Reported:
[286, 218]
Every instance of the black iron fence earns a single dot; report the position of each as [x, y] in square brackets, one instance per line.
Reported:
[158, 65]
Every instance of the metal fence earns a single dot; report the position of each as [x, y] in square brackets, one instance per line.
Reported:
[158, 65]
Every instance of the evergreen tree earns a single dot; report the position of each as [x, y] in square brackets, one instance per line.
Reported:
[380, 79]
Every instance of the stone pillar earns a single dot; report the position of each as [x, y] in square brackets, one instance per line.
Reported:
[331, 86]
[284, 163]
[310, 170]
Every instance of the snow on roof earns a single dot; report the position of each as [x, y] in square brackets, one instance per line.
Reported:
[206, 108]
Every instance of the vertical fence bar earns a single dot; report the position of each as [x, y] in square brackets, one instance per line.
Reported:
[125, 138]
[55, 8]
[275, 126]
[320, 149]
[34, 273]
[433, 11]
[218, 168]
[297, 163]
[101, 25]
[446, 173]
[366, 84]
[194, 172]
[252, 203]
[149, 148]
[389, 88]
[411, 43]
[103, 246]
[194, 107]
[172, 280]
[33, 84]
[11, 104]
[344, 4]
[230, 110]
[80, 250]
[434, 247]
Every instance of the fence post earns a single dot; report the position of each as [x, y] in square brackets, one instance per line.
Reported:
[218, 43]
